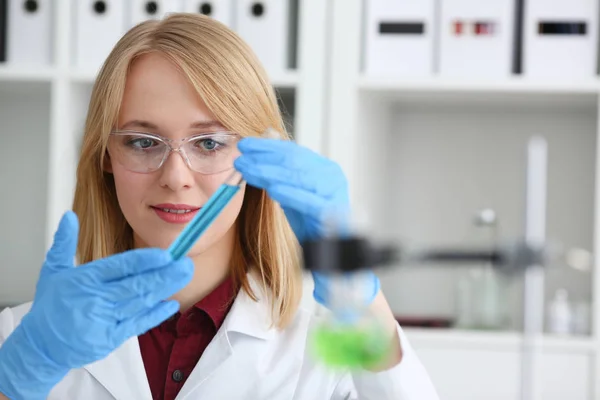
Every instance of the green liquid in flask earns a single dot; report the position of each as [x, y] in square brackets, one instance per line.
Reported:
[350, 346]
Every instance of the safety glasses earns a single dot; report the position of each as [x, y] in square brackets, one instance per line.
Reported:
[206, 153]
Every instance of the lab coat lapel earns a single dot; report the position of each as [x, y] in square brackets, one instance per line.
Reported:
[245, 318]
[217, 353]
[122, 373]
[234, 357]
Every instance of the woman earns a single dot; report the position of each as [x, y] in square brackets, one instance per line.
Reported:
[228, 321]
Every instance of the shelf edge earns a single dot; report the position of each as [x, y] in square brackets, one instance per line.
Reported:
[507, 85]
[473, 340]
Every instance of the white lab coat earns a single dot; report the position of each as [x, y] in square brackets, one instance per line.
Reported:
[246, 360]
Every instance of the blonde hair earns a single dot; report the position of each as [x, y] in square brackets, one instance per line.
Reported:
[232, 83]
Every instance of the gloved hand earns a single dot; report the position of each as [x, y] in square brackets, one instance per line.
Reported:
[368, 286]
[309, 187]
[81, 314]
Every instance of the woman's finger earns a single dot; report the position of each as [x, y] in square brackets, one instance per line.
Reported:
[298, 199]
[317, 208]
[264, 175]
[273, 158]
[145, 320]
[320, 211]
[155, 285]
[319, 179]
[262, 145]
[282, 153]
[128, 263]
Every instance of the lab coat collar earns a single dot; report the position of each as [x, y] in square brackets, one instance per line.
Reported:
[250, 317]
[123, 374]
[238, 349]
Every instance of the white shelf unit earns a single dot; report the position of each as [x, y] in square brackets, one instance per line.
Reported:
[422, 161]
[25, 113]
[27, 74]
[486, 365]
[509, 85]
[43, 111]
[422, 155]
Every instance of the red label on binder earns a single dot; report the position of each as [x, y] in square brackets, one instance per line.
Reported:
[483, 28]
[458, 27]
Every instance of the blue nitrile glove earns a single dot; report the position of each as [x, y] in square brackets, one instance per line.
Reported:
[81, 314]
[309, 187]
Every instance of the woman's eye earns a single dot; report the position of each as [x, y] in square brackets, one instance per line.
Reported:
[207, 144]
[142, 143]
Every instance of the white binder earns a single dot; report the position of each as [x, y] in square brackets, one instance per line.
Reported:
[560, 38]
[477, 38]
[99, 26]
[143, 10]
[29, 33]
[400, 38]
[221, 10]
[264, 25]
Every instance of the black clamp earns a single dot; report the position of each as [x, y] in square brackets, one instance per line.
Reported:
[345, 254]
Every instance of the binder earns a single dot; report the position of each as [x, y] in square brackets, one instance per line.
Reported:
[477, 38]
[143, 10]
[265, 26]
[560, 38]
[400, 38]
[3, 29]
[29, 32]
[221, 10]
[99, 26]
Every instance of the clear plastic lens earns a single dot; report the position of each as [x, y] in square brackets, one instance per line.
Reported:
[211, 153]
[142, 152]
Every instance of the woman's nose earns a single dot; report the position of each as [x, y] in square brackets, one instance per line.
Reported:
[175, 173]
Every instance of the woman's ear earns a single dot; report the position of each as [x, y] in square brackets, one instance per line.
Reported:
[107, 164]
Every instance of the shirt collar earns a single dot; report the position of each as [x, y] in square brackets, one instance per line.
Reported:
[215, 305]
[218, 302]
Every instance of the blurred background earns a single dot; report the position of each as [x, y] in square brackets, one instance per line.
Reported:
[428, 105]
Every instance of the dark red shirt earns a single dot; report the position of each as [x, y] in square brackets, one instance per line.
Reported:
[171, 350]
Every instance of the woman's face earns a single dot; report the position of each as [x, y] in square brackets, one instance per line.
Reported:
[158, 99]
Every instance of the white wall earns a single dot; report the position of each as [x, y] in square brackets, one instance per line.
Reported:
[444, 162]
[24, 112]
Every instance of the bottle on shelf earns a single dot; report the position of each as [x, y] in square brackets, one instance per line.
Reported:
[560, 314]
[481, 291]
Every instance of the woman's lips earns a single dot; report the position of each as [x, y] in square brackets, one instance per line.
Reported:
[175, 213]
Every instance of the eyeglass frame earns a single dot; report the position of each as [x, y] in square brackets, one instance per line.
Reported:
[178, 149]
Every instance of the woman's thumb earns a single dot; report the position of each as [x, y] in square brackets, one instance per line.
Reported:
[64, 246]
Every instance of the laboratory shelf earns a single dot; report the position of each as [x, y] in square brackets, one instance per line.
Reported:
[16, 73]
[461, 91]
[287, 80]
[480, 85]
[496, 340]
[422, 156]
[82, 76]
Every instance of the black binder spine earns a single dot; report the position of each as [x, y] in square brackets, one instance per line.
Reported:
[3, 29]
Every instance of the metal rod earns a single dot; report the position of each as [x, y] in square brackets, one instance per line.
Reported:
[533, 290]
[494, 256]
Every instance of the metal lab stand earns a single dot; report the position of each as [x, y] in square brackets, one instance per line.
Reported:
[528, 256]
